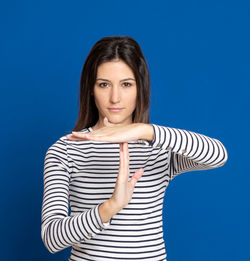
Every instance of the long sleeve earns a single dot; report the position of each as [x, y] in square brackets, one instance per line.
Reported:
[58, 229]
[189, 150]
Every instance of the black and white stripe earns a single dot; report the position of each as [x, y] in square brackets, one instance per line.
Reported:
[84, 174]
[189, 150]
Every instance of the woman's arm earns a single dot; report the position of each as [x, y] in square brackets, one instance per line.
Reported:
[58, 230]
[189, 150]
[124, 188]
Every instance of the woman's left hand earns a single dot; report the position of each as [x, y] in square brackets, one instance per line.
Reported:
[114, 133]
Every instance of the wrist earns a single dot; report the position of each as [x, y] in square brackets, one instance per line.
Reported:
[147, 131]
[107, 210]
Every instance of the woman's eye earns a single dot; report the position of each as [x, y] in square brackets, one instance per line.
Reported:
[103, 84]
[127, 84]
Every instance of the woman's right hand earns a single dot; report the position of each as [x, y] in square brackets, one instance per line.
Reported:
[124, 187]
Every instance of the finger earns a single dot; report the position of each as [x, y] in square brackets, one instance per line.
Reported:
[83, 136]
[107, 123]
[97, 135]
[136, 177]
[73, 137]
[121, 176]
[80, 135]
[126, 159]
[125, 167]
[121, 156]
[88, 136]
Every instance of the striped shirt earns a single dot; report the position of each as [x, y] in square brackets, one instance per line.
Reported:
[80, 175]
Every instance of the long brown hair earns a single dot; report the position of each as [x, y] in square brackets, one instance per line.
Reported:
[106, 49]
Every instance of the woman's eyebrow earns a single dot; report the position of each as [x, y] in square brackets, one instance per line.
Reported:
[120, 80]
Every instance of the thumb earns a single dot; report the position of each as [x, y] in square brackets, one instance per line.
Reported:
[107, 123]
[136, 177]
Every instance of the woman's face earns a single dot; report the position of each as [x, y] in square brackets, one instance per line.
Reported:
[115, 93]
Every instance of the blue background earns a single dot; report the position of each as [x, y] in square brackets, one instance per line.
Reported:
[198, 56]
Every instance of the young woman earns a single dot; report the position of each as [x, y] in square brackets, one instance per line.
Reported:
[115, 167]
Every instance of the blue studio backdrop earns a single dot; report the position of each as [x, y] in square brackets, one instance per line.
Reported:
[198, 56]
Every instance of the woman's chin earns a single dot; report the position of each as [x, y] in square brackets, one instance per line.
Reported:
[116, 120]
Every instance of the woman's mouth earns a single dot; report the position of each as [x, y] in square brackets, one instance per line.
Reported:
[115, 109]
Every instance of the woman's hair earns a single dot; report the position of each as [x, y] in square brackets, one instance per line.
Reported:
[107, 49]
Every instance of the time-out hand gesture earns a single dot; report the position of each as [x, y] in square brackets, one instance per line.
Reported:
[124, 187]
[115, 133]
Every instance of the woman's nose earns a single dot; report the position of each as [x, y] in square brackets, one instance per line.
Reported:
[115, 94]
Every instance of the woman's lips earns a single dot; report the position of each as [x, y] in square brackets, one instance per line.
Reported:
[115, 109]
